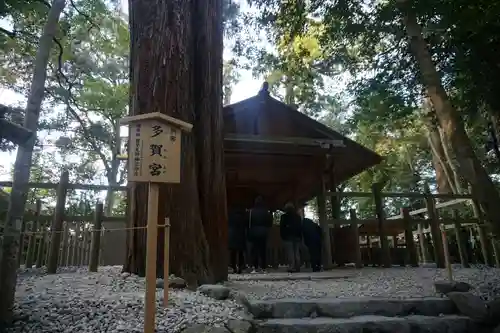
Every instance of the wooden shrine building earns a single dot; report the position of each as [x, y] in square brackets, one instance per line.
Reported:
[273, 150]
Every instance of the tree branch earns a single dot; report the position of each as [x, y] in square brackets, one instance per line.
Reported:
[86, 133]
[87, 17]
[11, 34]
[44, 3]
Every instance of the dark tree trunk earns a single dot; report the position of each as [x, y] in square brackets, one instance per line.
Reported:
[468, 164]
[208, 130]
[163, 80]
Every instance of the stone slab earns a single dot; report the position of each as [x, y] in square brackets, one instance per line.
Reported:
[370, 324]
[285, 276]
[350, 307]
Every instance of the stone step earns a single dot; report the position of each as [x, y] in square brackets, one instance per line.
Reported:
[371, 324]
[349, 307]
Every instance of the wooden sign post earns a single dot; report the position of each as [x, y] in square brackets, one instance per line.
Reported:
[446, 254]
[154, 157]
[166, 255]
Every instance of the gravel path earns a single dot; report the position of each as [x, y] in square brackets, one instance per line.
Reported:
[108, 301]
[377, 282]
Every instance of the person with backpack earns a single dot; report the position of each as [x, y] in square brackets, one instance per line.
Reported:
[291, 234]
[260, 221]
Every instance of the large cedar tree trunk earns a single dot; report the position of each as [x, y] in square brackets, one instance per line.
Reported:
[209, 131]
[22, 166]
[166, 76]
[469, 165]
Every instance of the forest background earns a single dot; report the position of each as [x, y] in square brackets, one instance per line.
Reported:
[348, 64]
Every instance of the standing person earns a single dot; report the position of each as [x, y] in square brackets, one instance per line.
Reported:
[260, 222]
[312, 239]
[237, 229]
[291, 234]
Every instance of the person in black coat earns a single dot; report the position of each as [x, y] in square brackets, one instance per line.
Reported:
[260, 222]
[312, 239]
[291, 234]
[237, 233]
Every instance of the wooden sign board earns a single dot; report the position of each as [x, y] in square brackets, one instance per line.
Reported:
[154, 152]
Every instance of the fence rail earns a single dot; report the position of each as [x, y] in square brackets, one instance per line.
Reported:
[73, 218]
[69, 186]
[398, 195]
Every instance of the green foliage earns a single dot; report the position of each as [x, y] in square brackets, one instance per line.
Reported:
[230, 77]
[87, 84]
[366, 42]
[345, 63]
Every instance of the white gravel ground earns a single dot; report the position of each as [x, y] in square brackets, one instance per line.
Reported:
[77, 301]
[108, 301]
[377, 282]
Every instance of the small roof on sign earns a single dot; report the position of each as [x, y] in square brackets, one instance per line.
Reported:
[158, 116]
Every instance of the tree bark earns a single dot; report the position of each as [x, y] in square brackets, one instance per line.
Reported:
[209, 131]
[457, 181]
[22, 166]
[440, 157]
[468, 164]
[443, 172]
[176, 63]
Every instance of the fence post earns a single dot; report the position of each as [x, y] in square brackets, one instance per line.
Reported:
[56, 228]
[424, 251]
[21, 243]
[30, 255]
[41, 246]
[87, 246]
[464, 259]
[47, 249]
[437, 239]
[327, 250]
[446, 251]
[483, 239]
[64, 250]
[411, 250]
[101, 245]
[75, 261]
[355, 231]
[96, 238]
[83, 248]
[379, 210]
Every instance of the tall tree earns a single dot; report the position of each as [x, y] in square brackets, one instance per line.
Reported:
[10, 247]
[451, 123]
[166, 44]
[209, 131]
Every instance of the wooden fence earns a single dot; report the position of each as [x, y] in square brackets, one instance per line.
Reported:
[382, 227]
[68, 241]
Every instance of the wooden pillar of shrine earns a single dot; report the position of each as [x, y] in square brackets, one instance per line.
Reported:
[325, 228]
